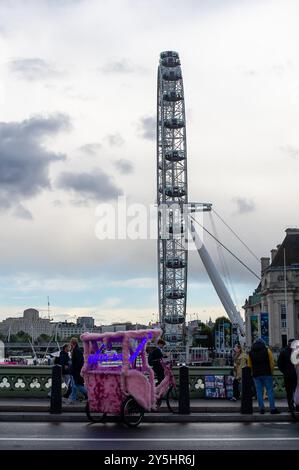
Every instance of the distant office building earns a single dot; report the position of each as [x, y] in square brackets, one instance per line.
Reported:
[122, 327]
[272, 311]
[67, 329]
[88, 322]
[30, 323]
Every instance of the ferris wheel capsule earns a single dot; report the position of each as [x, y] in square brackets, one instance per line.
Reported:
[175, 155]
[172, 75]
[172, 96]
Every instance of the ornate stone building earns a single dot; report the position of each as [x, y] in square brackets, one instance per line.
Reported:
[272, 311]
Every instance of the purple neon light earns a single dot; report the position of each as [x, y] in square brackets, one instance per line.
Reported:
[98, 357]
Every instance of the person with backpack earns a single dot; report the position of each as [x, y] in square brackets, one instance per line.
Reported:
[261, 362]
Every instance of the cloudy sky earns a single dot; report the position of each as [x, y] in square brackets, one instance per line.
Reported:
[77, 129]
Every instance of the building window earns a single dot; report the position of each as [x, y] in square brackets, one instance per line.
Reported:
[283, 316]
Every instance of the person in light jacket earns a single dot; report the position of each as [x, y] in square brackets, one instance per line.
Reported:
[240, 361]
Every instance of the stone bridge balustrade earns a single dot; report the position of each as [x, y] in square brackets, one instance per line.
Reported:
[35, 381]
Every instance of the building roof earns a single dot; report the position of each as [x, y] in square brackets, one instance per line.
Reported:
[291, 246]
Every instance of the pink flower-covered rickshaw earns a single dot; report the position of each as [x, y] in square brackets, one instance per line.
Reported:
[118, 378]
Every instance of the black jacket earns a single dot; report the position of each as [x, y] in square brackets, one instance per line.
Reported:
[260, 359]
[64, 361]
[285, 364]
[155, 356]
[77, 364]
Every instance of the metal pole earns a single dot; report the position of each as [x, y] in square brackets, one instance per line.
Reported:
[246, 394]
[55, 407]
[184, 395]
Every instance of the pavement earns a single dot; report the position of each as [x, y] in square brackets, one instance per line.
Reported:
[271, 436]
[201, 411]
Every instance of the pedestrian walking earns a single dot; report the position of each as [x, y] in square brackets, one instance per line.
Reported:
[288, 369]
[261, 362]
[77, 382]
[239, 361]
[65, 362]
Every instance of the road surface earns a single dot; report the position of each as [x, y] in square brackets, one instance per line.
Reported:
[149, 436]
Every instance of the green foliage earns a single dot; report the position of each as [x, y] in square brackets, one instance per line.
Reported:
[43, 338]
[20, 337]
[202, 330]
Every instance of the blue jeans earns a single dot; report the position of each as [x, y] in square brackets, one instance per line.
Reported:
[75, 388]
[267, 382]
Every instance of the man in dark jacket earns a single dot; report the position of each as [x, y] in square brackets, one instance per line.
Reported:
[286, 366]
[65, 362]
[154, 360]
[77, 364]
[261, 362]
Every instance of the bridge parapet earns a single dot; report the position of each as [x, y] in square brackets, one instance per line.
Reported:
[35, 381]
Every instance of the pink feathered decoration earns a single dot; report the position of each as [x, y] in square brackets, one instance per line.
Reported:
[108, 386]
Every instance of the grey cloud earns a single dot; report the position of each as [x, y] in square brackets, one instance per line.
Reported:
[115, 140]
[147, 127]
[250, 72]
[62, 3]
[57, 203]
[124, 166]
[96, 185]
[23, 213]
[244, 205]
[24, 161]
[277, 69]
[32, 69]
[91, 148]
[290, 151]
[122, 66]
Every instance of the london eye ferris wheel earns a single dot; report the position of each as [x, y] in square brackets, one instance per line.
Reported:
[172, 191]
[174, 220]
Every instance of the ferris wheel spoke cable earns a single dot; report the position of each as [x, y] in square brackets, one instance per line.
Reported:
[236, 235]
[225, 268]
[227, 249]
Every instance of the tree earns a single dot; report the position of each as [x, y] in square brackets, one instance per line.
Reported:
[43, 338]
[23, 337]
[202, 336]
[13, 338]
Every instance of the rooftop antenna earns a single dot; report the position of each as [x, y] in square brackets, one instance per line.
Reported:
[48, 308]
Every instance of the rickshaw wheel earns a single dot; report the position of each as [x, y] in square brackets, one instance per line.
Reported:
[94, 416]
[172, 400]
[131, 412]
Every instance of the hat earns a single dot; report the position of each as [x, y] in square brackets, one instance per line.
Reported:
[260, 340]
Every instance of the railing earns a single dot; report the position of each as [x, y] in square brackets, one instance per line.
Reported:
[35, 381]
[25, 381]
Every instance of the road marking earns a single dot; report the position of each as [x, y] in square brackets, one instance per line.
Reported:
[145, 439]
